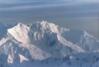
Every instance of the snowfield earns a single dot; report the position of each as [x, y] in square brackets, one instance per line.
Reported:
[45, 44]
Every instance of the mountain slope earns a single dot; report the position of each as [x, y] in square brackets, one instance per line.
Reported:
[83, 39]
[44, 42]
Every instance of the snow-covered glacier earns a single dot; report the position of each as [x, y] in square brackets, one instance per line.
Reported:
[45, 44]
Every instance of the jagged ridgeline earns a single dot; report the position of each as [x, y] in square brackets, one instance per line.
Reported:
[45, 44]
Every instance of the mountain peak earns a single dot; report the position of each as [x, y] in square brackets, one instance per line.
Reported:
[43, 40]
[20, 32]
[46, 26]
[53, 27]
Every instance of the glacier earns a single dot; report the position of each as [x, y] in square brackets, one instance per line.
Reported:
[45, 44]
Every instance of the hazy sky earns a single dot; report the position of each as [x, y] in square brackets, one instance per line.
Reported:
[76, 14]
[28, 4]
[16, 1]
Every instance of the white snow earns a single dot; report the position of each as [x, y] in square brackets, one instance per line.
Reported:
[3, 40]
[51, 26]
[20, 33]
[45, 44]
[22, 58]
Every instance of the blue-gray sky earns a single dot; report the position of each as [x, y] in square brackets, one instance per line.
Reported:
[72, 1]
[46, 1]
[76, 14]
[28, 4]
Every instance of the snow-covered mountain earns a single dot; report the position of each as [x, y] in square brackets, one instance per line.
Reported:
[82, 39]
[44, 44]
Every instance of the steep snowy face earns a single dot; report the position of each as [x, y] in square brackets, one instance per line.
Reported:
[45, 38]
[48, 37]
[51, 40]
[41, 29]
[20, 33]
[42, 40]
[49, 27]
[13, 52]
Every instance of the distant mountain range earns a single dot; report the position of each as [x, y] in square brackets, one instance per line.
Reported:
[45, 44]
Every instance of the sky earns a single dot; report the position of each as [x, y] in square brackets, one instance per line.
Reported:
[70, 13]
[28, 4]
[16, 1]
